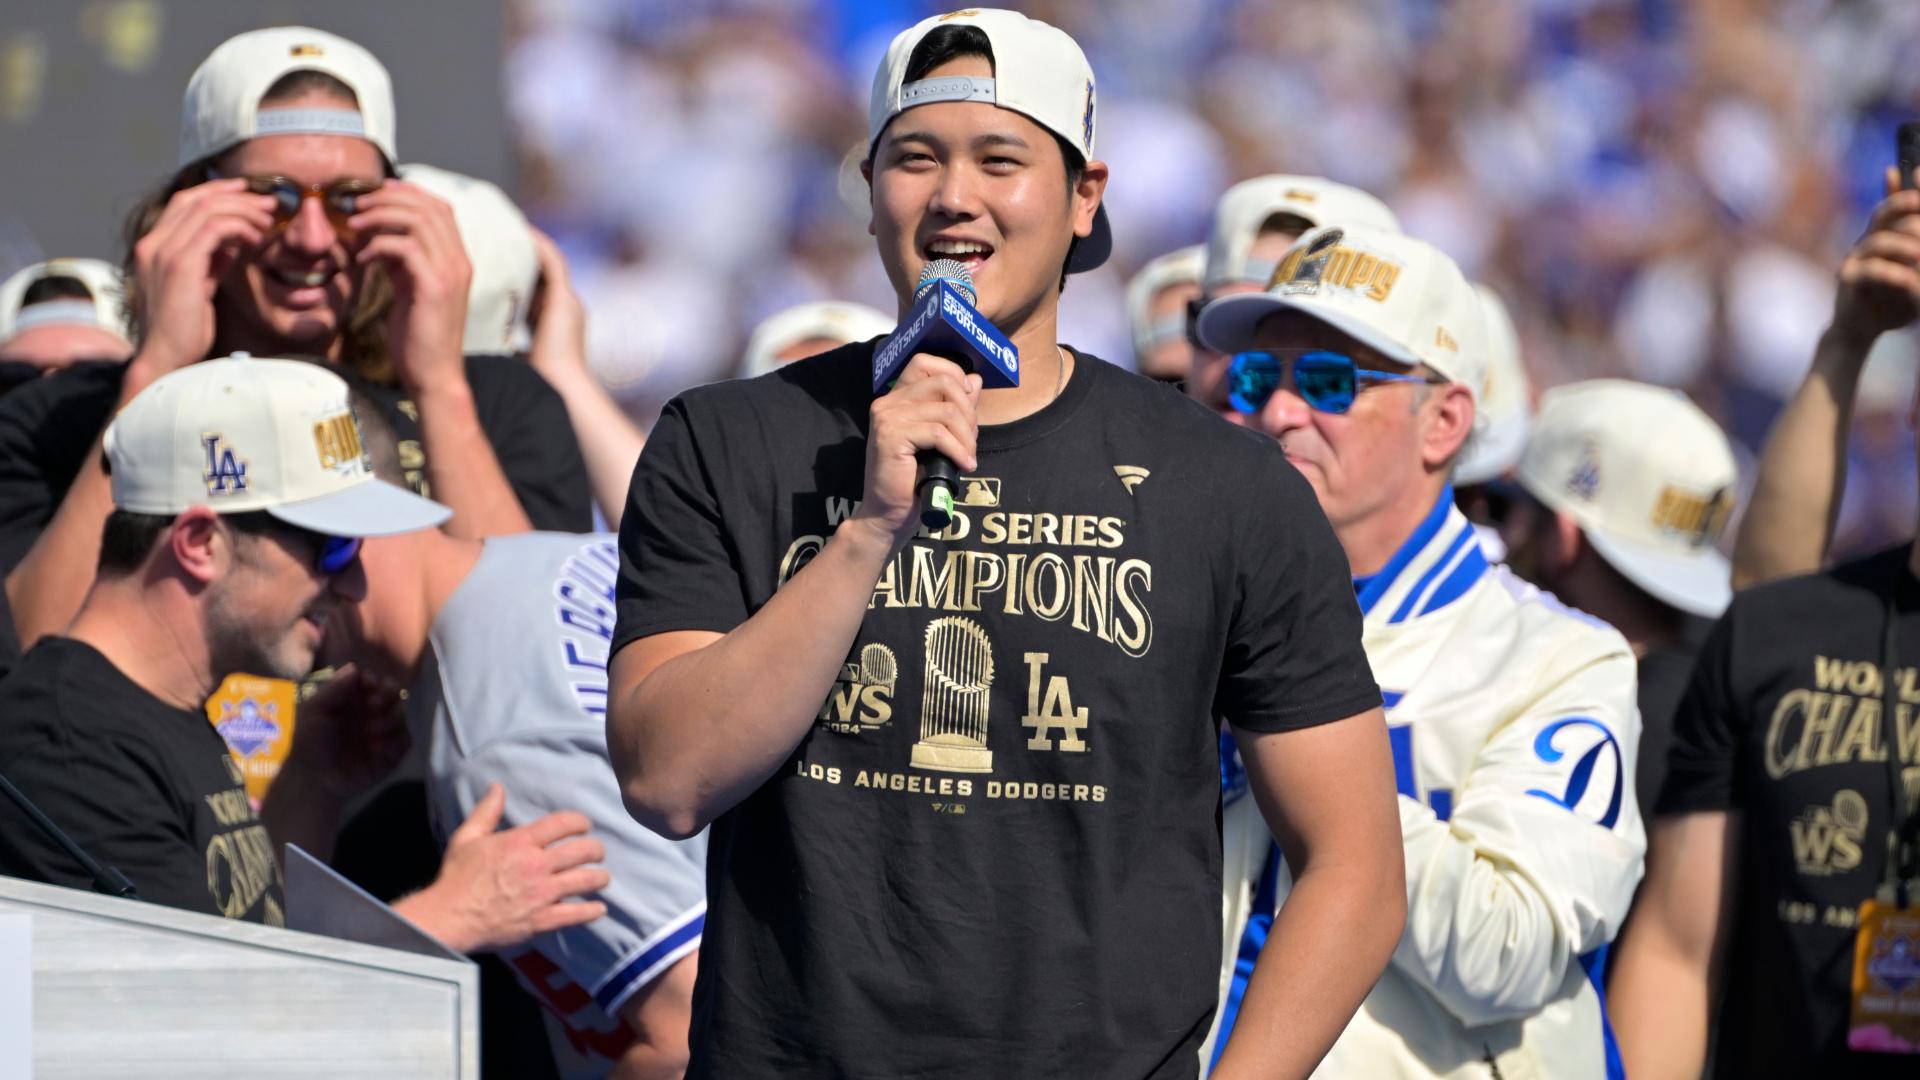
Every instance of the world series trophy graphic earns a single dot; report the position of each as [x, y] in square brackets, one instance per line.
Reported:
[954, 699]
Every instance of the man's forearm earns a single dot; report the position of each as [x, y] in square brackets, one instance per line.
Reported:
[1329, 943]
[462, 468]
[1789, 520]
[1658, 1003]
[609, 440]
[706, 728]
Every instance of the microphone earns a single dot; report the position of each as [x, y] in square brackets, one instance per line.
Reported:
[106, 879]
[943, 322]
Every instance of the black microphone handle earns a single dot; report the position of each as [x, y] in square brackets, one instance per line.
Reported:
[939, 479]
[105, 878]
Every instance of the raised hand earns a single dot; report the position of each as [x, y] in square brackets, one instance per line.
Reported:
[412, 233]
[180, 261]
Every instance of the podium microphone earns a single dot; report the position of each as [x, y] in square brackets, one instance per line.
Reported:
[105, 878]
[943, 322]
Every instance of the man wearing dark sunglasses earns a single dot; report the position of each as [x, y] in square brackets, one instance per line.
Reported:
[283, 231]
[1512, 718]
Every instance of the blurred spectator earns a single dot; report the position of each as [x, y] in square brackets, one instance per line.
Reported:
[1631, 487]
[282, 203]
[228, 552]
[1500, 423]
[809, 329]
[1254, 224]
[1157, 300]
[57, 313]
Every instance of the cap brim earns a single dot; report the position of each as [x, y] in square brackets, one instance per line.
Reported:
[375, 508]
[1700, 583]
[1092, 250]
[1231, 324]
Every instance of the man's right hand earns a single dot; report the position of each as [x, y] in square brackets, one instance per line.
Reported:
[934, 405]
[497, 889]
[180, 262]
[1880, 277]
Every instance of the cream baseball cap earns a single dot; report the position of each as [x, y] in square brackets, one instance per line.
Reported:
[1396, 295]
[240, 434]
[1247, 205]
[1649, 477]
[222, 105]
[1504, 413]
[499, 243]
[105, 311]
[1182, 267]
[833, 320]
[1038, 71]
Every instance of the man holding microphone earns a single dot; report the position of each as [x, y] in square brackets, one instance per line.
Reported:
[963, 785]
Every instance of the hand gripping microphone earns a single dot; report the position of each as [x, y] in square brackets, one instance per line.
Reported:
[943, 323]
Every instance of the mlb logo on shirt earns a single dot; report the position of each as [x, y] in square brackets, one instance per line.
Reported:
[226, 473]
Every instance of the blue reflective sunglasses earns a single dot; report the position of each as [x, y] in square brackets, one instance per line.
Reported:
[336, 554]
[1327, 381]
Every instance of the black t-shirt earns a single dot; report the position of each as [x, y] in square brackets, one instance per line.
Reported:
[1663, 675]
[997, 851]
[1783, 723]
[48, 427]
[140, 785]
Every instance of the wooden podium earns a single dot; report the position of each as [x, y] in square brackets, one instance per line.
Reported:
[122, 988]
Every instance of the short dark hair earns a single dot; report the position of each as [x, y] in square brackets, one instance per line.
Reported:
[128, 538]
[55, 287]
[300, 83]
[948, 43]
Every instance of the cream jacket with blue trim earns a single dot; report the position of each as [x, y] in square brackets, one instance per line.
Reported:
[1515, 733]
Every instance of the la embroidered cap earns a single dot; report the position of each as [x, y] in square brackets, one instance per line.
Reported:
[499, 243]
[1038, 71]
[1399, 296]
[1246, 206]
[240, 434]
[1175, 268]
[1504, 413]
[222, 105]
[105, 310]
[1650, 479]
[825, 320]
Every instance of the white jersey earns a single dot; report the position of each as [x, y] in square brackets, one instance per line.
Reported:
[1515, 733]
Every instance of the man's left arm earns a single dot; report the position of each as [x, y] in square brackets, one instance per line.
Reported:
[1327, 793]
[1536, 866]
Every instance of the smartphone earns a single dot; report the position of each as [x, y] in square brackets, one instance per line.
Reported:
[1908, 149]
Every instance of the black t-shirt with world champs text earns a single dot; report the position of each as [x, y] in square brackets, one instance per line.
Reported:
[140, 785]
[1783, 724]
[997, 851]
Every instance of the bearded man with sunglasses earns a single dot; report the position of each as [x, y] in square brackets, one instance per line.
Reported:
[1512, 718]
[283, 231]
[241, 491]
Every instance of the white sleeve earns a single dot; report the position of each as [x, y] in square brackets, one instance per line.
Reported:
[1539, 861]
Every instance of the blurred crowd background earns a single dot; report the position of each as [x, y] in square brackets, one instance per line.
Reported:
[1659, 188]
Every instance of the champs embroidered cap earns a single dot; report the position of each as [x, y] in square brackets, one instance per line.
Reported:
[104, 310]
[1399, 296]
[1650, 478]
[1038, 71]
[1246, 206]
[822, 320]
[241, 434]
[222, 106]
[499, 243]
[1504, 413]
[1175, 268]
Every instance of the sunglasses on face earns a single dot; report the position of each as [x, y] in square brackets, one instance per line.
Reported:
[1327, 381]
[340, 200]
[336, 554]
[332, 555]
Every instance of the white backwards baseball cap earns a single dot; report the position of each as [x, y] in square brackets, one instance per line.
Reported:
[1649, 477]
[1038, 71]
[499, 243]
[105, 311]
[832, 320]
[1182, 267]
[1396, 295]
[240, 434]
[1503, 414]
[222, 106]
[1247, 205]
